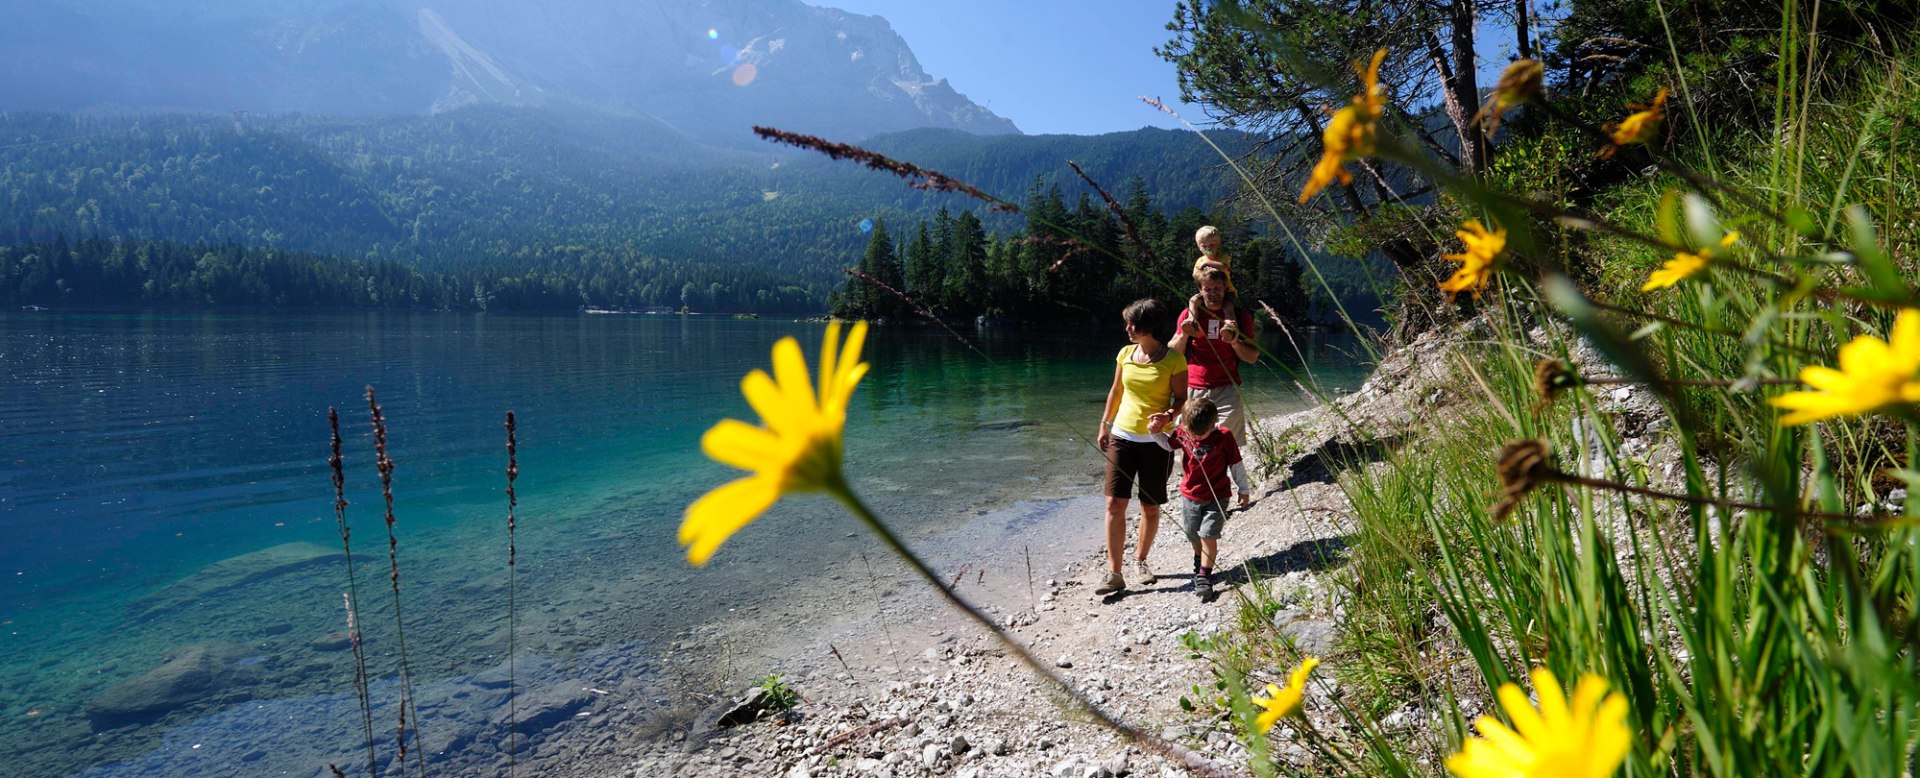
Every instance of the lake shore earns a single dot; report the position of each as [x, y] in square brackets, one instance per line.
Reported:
[914, 689]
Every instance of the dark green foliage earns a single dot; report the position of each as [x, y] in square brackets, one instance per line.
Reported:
[1075, 264]
[503, 187]
[98, 272]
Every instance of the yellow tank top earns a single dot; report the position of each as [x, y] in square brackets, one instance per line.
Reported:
[1145, 389]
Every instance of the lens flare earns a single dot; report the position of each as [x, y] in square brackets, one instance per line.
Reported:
[866, 225]
[745, 74]
[713, 34]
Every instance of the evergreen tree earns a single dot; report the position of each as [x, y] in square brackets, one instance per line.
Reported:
[966, 286]
[923, 268]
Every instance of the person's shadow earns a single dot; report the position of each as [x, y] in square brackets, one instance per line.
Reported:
[1320, 554]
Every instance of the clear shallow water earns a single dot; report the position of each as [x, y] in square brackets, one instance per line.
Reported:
[141, 454]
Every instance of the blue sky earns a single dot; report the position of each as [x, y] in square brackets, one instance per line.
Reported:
[1066, 66]
[1052, 66]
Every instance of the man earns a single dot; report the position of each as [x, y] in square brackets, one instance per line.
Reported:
[1215, 347]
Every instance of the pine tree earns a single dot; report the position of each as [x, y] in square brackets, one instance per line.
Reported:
[923, 268]
[967, 288]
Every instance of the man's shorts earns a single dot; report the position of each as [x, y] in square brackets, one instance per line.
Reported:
[1131, 464]
[1202, 519]
[1232, 415]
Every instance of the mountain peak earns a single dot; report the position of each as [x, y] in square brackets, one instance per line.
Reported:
[712, 69]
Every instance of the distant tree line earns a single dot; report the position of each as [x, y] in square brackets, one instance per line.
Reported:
[1067, 262]
[102, 272]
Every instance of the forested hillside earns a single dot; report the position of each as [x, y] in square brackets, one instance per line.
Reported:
[522, 192]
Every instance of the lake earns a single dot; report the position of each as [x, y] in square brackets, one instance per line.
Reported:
[172, 585]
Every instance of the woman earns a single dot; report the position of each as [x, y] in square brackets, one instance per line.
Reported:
[1149, 386]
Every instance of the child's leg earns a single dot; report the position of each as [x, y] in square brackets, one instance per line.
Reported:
[1209, 549]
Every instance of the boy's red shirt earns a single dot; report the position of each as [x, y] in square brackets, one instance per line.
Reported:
[1203, 471]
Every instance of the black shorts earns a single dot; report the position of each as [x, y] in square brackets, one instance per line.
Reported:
[1132, 464]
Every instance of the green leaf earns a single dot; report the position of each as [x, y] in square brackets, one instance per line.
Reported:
[1703, 228]
[1884, 278]
[1802, 221]
[1667, 217]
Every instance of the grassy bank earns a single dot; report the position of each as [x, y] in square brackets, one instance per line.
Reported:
[1690, 506]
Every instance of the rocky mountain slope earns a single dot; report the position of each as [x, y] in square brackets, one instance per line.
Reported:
[711, 69]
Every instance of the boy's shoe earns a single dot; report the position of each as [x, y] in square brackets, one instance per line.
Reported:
[1114, 583]
[1146, 573]
[1203, 585]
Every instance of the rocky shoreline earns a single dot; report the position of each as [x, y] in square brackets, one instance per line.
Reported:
[919, 691]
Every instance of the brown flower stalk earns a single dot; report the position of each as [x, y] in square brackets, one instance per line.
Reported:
[513, 717]
[337, 463]
[1552, 376]
[1126, 223]
[917, 308]
[917, 177]
[1526, 464]
[1522, 465]
[384, 464]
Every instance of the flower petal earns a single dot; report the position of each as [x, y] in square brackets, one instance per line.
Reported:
[829, 349]
[747, 447]
[777, 411]
[1553, 699]
[790, 373]
[713, 518]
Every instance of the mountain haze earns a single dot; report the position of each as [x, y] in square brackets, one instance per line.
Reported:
[710, 70]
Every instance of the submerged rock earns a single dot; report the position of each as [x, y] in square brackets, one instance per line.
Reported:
[199, 673]
[234, 572]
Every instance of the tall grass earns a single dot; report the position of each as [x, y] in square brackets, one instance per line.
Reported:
[1760, 620]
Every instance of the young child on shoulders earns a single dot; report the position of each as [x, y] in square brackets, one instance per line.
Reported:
[1213, 257]
[1210, 471]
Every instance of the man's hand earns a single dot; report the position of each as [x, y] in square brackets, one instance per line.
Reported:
[1230, 333]
[1191, 329]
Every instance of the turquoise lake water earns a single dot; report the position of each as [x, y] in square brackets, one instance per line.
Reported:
[165, 494]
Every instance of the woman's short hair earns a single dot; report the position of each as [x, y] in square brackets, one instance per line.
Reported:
[1148, 315]
[1201, 415]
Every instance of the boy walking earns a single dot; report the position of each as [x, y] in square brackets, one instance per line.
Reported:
[1210, 460]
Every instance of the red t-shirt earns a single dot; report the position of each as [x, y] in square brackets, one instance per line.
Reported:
[1203, 471]
[1210, 361]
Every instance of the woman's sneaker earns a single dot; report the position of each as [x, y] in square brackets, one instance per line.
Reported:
[1146, 573]
[1114, 583]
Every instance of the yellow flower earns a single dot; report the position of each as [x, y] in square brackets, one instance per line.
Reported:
[1873, 374]
[1685, 264]
[1582, 737]
[1639, 127]
[797, 449]
[1519, 83]
[1280, 702]
[1476, 265]
[1350, 133]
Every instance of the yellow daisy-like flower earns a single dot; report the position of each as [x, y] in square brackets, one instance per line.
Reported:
[1582, 737]
[1519, 83]
[1280, 703]
[1685, 264]
[1476, 264]
[1350, 133]
[1639, 127]
[1873, 374]
[797, 450]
